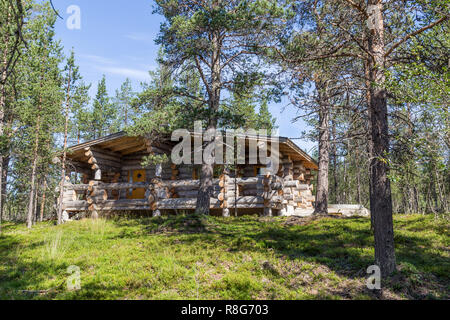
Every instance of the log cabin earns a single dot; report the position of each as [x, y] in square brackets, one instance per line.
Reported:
[109, 175]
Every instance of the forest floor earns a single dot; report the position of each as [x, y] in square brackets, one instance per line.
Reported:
[190, 257]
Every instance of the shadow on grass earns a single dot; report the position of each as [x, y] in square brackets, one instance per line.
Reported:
[344, 246]
[348, 251]
[20, 279]
[167, 225]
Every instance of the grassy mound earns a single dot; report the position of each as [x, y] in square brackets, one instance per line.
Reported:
[194, 257]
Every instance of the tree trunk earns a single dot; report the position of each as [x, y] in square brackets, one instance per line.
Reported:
[206, 190]
[369, 138]
[4, 181]
[34, 173]
[4, 167]
[44, 196]
[416, 200]
[433, 187]
[334, 162]
[2, 112]
[346, 178]
[63, 169]
[382, 201]
[358, 177]
[36, 200]
[207, 173]
[35, 155]
[324, 156]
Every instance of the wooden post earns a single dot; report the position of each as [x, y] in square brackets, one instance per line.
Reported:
[223, 195]
[157, 189]
[267, 195]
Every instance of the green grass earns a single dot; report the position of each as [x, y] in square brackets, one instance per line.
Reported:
[215, 258]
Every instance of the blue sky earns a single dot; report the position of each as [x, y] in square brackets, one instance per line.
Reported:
[116, 38]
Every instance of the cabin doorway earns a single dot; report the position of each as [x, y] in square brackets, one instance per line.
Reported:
[136, 177]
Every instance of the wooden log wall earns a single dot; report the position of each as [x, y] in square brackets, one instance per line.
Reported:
[69, 193]
[299, 171]
[171, 187]
[185, 172]
[159, 197]
[94, 197]
[288, 168]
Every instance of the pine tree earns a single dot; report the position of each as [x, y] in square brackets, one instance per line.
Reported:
[359, 30]
[123, 99]
[80, 126]
[38, 113]
[12, 16]
[71, 83]
[166, 104]
[218, 37]
[265, 119]
[103, 114]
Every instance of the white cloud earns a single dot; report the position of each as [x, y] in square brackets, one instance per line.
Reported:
[98, 59]
[111, 66]
[140, 36]
[127, 72]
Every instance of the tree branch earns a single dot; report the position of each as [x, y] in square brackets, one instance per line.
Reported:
[413, 34]
[358, 7]
[202, 75]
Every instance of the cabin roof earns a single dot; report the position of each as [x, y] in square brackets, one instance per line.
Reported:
[122, 144]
